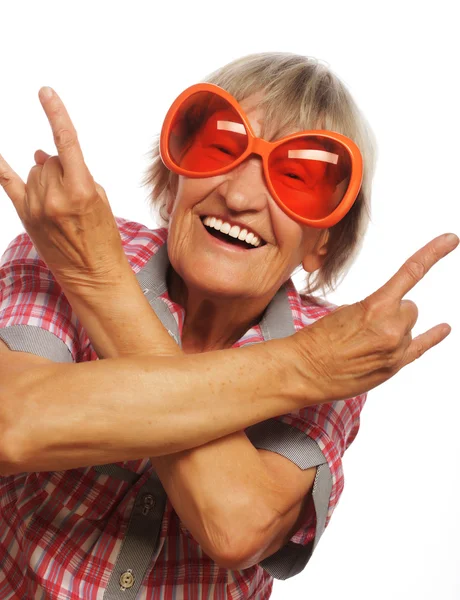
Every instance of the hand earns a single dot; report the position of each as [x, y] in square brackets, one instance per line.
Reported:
[66, 214]
[359, 346]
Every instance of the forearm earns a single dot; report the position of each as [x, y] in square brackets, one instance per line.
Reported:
[62, 416]
[119, 320]
[223, 493]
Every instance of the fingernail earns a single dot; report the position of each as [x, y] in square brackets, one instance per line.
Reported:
[46, 92]
[451, 238]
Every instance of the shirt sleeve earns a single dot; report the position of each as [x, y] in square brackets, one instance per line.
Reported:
[35, 315]
[316, 436]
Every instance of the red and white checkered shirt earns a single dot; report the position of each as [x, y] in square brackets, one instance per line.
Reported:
[72, 534]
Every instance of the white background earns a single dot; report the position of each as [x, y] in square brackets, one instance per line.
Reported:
[118, 66]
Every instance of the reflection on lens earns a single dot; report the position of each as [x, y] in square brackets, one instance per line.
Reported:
[207, 134]
[310, 175]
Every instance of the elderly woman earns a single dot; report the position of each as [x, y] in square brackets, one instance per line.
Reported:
[202, 457]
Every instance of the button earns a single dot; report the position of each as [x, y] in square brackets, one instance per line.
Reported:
[127, 579]
[149, 502]
[145, 291]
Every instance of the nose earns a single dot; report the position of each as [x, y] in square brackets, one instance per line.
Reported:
[245, 187]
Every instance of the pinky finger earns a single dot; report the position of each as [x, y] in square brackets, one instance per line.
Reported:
[425, 341]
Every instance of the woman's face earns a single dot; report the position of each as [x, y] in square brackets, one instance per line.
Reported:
[239, 197]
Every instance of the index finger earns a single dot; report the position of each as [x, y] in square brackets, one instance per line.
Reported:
[416, 267]
[64, 133]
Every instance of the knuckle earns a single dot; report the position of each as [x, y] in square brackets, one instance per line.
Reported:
[374, 306]
[391, 361]
[398, 356]
[367, 304]
[370, 309]
[5, 179]
[81, 194]
[69, 201]
[418, 349]
[415, 269]
[384, 357]
[34, 174]
[64, 139]
[53, 206]
[391, 338]
[433, 254]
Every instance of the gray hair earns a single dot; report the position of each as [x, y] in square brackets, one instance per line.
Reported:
[299, 93]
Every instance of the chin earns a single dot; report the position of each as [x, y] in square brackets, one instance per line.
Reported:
[216, 286]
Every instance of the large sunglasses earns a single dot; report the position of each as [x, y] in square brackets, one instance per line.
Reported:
[314, 176]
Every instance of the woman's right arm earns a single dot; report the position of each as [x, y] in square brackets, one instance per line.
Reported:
[56, 416]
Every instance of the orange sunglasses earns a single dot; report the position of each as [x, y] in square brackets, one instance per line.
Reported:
[314, 176]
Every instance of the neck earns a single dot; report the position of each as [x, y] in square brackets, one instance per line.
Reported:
[212, 322]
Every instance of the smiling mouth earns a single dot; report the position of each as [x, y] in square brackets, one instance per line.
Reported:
[224, 237]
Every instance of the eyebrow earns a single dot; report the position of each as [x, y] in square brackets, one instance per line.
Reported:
[231, 126]
[321, 155]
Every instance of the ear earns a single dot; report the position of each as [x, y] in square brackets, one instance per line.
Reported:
[315, 258]
[170, 204]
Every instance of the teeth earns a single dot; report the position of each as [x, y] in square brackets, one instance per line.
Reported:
[225, 227]
[233, 230]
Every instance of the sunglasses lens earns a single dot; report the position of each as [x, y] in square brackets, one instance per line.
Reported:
[207, 134]
[310, 175]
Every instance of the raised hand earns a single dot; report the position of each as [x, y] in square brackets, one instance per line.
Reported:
[66, 213]
[359, 346]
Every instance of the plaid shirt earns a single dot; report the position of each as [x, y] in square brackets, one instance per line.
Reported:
[65, 534]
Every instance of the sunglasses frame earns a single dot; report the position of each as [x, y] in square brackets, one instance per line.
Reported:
[263, 148]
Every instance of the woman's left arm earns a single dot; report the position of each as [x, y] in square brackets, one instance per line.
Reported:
[241, 504]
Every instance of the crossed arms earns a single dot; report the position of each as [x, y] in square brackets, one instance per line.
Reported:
[222, 482]
[356, 348]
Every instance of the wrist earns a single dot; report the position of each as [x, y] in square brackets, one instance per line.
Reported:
[118, 318]
[92, 289]
[302, 369]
